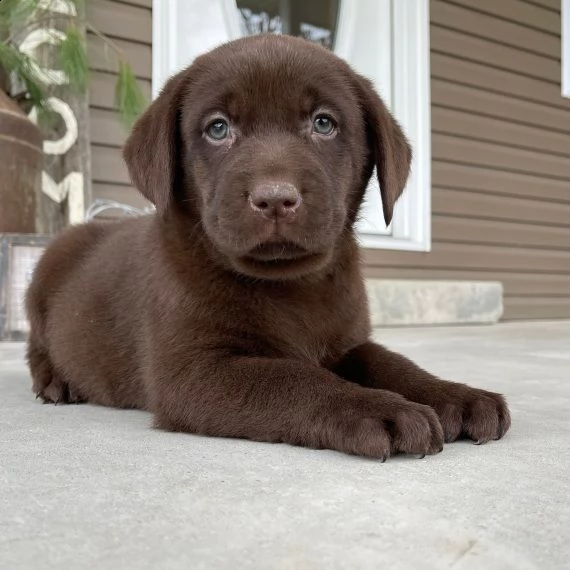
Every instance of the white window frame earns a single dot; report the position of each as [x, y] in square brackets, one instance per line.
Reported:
[565, 48]
[171, 16]
[399, 67]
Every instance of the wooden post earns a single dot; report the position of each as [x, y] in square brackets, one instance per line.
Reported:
[66, 179]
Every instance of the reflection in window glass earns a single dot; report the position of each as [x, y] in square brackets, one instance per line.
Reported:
[315, 20]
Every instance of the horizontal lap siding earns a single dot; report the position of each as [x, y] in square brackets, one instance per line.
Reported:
[128, 23]
[500, 145]
[500, 156]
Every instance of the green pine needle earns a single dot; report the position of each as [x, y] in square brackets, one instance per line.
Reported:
[73, 59]
[9, 57]
[47, 119]
[16, 13]
[129, 98]
[14, 61]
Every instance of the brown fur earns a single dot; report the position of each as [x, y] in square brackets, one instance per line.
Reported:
[222, 319]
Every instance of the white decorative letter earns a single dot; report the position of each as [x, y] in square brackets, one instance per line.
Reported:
[72, 188]
[62, 145]
[35, 39]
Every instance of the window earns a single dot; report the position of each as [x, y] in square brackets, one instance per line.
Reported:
[315, 20]
[566, 48]
[385, 40]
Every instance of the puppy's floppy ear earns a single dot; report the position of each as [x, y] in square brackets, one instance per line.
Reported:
[151, 150]
[391, 151]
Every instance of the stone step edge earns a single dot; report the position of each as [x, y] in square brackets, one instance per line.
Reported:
[395, 302]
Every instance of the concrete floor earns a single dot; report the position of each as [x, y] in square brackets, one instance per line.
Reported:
[95, 488]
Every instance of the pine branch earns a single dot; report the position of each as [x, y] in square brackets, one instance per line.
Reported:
[129, 98]
[73, 59]
[107, 41]
[15, 13]
[14, 61]
[17, 16]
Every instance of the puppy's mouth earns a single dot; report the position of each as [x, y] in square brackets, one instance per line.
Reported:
[280, 259]
[277, 250]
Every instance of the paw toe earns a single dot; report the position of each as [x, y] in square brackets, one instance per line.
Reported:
[59, 392]
[417, 431]
[488, 418]
[451, 418]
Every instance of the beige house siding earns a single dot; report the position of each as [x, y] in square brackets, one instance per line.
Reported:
[129, 24]
[500, 145]
[501, 156]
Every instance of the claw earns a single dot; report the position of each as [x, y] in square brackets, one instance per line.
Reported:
[503, 430]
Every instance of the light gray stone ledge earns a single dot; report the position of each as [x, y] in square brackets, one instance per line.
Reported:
[417, 302]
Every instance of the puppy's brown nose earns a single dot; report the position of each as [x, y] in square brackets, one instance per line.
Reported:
[275, 199]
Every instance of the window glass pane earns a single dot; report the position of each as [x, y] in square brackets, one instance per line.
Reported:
[315, 20]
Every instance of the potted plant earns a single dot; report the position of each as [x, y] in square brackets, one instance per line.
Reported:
[43, 58]
[25, 89]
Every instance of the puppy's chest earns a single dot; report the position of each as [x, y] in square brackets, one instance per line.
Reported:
[320, 331]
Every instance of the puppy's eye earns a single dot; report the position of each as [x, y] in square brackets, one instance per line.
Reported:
[218, 130]
[324, 125]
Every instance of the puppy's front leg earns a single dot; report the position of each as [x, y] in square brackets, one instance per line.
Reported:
[284, 400]
[464, 411]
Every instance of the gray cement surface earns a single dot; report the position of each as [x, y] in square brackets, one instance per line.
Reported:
[92, 488]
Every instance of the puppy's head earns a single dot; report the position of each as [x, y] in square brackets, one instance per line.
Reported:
[269, 143]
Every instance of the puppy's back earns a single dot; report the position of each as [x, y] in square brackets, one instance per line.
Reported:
[63, 255]
[84, 320]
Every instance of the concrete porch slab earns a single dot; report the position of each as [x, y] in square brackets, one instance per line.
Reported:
[88, 487]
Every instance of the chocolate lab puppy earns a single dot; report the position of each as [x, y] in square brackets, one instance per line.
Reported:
[238, 308]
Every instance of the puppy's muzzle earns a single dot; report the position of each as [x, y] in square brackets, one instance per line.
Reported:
[275, 200]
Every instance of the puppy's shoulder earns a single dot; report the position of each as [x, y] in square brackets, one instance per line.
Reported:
[64, 253]
[73, 243]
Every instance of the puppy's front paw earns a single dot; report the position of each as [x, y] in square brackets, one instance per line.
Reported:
[384, 426]
[472, 413]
